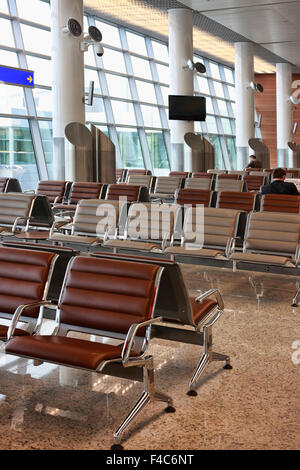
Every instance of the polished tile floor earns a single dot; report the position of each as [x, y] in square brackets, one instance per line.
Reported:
[253, 406]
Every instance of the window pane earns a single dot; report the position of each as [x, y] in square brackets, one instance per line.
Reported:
[3, 6]
[16, 151]
[215, 72]
[209, 106]
[36, 40]
[118, 86]
[141, 68]
[91, 76]
[226, 126]
[113, 60]
[110, 34]
[231, 91]
[165, 92]
[222, 107]
[42, 70]
[215, 141]
[130, 148]
[160, 51]
[136, 43]
[34, 10]
[9, 58]
[219, 89]
[158, 151]
[211, 125]
[47, 139]
[146, 91]
[230, 144]
[151, 116]
[203, 85]
[96, 113]
[123, 112]
[163, 73]
[6, 35]
[12, 100]
[43, 102]
[229, 75]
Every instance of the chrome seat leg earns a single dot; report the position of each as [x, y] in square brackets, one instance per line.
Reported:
[222, 357]
[295, 299]
[198, 371]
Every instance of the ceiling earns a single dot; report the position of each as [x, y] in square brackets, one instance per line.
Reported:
[274, 25]
[218, 24]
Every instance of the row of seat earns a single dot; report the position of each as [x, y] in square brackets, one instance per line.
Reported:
[131, 299]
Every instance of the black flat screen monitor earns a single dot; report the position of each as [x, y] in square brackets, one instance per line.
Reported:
[187, 108]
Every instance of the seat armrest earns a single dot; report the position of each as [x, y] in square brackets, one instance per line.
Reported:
[14, 227]
[210, 293]
[29, 191]
[20, 310]
[130, 339]
[59, 225]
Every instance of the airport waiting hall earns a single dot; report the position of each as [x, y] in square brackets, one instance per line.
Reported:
[149, 246]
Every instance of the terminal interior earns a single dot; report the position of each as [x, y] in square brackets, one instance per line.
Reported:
[149, 271]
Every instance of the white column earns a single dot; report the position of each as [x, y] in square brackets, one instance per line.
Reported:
[244, 75]
[181, 81]
[284, 114]
[68, 77]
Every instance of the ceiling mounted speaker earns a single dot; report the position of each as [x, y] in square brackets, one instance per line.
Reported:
[294, 100]
[74, 27]
[256, 87]
[196, 67]
[95, 34]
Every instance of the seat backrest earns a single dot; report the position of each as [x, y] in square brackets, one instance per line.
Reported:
[95, 216]
[198, 183]
[149, 221]
[85, 191]
[237, 172]
[276, 232]
[216, 172]
[129, 191]
[52, 189]
[254, 182]
[228, 185]
[292, 173]
[108, 295]
[140, 180]
[167, 184]
[202, 174]
[193, 197]
[228, 177]
[13, 205]
[120, 173]
[23, 278]
[280, 203]
[219, 226]
[137, 171]
[236, 200]
[3, 184]
[180, 174]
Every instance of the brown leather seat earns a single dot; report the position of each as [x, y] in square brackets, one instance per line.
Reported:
[193, 197]
[54, 190]
[120, 172]
[236, 200]
[180, 174]
[137, 171]
[23, 280]
[280, 203]
[292, 173]
[228, 177]
[18, 331]
[81, 191]
[116, 191]
[254, 182]
[200, 309]
[202, 174]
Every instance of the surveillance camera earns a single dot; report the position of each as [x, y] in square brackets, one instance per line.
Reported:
[200, 67]
[99, 50]
[256, 87]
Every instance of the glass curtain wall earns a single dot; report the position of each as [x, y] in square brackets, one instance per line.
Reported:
[131, 96]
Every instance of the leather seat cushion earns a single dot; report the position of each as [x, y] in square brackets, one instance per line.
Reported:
[132, 245]
[18, 332]
[60, 237]
[200, 309]
[65, 207]
[203, 252]
[63, 350]
[261, 258]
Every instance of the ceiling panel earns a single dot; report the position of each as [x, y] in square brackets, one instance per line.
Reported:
[207, 5]
[290, 51]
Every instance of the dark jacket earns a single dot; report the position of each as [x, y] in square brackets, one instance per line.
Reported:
[254, 164]
[279, 187]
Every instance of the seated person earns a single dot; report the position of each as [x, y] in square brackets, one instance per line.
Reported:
[253, 163]
[278, 185]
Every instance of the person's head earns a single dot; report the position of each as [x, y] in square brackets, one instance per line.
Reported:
[279, 174]
[252, 158]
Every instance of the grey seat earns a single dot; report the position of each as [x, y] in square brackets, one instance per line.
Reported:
[140, 180]
[229, 185]
[199, 183]
[270, 238]
[219, 228]
[15, 212]
[166, 186]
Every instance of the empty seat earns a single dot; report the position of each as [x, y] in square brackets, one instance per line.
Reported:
[166, 186]
[292, 173]
[137, 172]
[236, 200]
[218, 229]
[140, 180]
[120, 175]
[216, 172]
[80, 191]
[25, 279]
[193, 197]
[130, 192]
[180, 174]
[202, 174]
[227, 176]
[229, 185]
[255, 182]
[110, 298]
[237, 172]
[15, 211]
[149, 227]
[10, 185]
[54, 190]
[199, 183]
[280, 203]
[270, 238]
[94, 220]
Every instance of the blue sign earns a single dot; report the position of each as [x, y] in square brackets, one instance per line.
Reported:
[19, 77]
